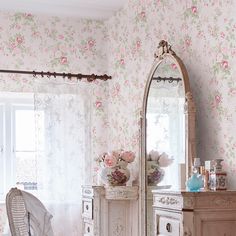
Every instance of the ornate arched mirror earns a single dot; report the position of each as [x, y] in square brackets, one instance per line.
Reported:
[168, 133]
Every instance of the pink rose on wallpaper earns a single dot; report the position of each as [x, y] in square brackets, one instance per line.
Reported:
[63, 60]
[173, 66]
[222, 151]
[222, 34]
[126, 82]
[19, 39]
[138, 44]
[115, 90]
[225, 64]
[110, 160]
[98, 104]
[233, 53]
[232, 91]
[142, 15]
[122, 61]
[91, 43]
[28, 15]
[13, 45]
[194, 9]
[17, 26]
[60, 36]
[188, 42]
[218, 99]
[128, 156]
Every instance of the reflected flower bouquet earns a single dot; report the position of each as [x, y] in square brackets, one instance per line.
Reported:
[155, 162]
[162, 160]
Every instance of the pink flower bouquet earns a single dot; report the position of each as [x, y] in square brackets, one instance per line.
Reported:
[114, 158]
[113, 165]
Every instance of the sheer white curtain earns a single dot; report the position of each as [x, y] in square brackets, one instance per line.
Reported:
[62, 125]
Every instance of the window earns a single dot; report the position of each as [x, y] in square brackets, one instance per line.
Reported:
[18, 163]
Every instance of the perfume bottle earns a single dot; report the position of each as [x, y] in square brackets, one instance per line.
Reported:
[195, 182]
[218, 177]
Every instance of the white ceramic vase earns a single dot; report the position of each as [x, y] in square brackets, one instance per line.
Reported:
[155, 173]
[115, 176]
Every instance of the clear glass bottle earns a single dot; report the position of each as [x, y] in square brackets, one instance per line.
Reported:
[218, 177]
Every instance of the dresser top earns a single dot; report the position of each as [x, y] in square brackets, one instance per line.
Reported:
[111, 193]
[185, 192]
[182, 199]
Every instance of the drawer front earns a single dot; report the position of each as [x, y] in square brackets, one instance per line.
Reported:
[168, 226]
[87, 192]
[88, 229]
[168, 201]
[87, 208]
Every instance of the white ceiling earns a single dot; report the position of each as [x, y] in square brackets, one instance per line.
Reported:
[93, 9]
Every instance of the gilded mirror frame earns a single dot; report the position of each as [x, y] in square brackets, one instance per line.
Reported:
[163, 51]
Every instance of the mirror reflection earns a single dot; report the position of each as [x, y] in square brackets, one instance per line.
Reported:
[165, 132]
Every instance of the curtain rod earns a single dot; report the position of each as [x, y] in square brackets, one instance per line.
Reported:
[169, 79]
[79, 76]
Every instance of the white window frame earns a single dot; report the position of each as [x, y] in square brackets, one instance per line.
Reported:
[9, 103]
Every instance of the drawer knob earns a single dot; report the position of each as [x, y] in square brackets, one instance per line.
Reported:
[168, 227]
[87, 207]
[88, 229]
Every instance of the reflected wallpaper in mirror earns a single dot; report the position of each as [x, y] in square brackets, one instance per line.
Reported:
[165, 132]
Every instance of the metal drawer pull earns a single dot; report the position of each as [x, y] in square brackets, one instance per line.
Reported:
[168, 227]
[87, 207]
[88, 230]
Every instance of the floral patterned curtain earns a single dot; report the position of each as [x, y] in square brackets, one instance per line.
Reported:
[62, 125]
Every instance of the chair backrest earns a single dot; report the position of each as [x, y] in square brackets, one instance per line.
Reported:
[16, 212]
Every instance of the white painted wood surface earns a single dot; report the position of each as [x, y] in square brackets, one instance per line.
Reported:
[182, 213]
[110, 211]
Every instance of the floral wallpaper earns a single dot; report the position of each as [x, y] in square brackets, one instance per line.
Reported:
[40, 43]
[29, 42]
[203, 34]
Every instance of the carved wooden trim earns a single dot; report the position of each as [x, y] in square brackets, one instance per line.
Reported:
[224, 201]
[190, 114]
[163, 47]
[121, 193]
[188, 202]
[87, 191]
[216, 201]
[168, 201]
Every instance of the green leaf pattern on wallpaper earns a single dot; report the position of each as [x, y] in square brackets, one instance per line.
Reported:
[201, 32]
[30, 42]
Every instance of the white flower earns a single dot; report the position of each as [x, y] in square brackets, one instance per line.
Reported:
[164, 160]
[153, 155]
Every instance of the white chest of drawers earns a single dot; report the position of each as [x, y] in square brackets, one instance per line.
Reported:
[183, 213]
[110, 211]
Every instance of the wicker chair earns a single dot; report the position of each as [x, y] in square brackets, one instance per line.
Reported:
[21, 221]
[16, 212]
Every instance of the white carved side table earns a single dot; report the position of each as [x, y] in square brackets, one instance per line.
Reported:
[110, 211]
[183, 213]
